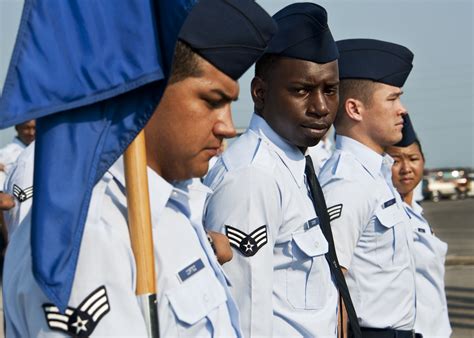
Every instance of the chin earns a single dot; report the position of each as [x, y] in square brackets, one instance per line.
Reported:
[200, 171]
[307, 142]
[397, 138]
[404, 189]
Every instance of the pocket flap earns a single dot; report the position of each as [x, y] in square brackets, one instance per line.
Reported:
[312, 242]
[389, 216]
[196, 296]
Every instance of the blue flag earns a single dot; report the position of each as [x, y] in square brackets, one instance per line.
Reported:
[92, 73]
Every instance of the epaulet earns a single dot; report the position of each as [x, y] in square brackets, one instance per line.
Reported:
[242, 152]
[340, 166]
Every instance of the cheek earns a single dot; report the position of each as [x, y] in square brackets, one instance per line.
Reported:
[333, 104]
[418, 169]
[395, 173]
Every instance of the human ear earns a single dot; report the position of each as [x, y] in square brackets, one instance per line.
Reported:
[258, 89]
[354, 109]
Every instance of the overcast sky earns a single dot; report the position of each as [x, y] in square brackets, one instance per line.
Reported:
[439, 92]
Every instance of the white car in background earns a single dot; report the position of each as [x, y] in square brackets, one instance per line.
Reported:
[452, 183]
[438, 189]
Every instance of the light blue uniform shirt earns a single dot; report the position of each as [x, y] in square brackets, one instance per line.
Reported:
[280, 277]
[372, 235]
[8, 156]
[19, 183]
[430, 254]
[193, 297]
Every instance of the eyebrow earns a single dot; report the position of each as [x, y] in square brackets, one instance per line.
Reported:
[223, 95]
[396, 94]
[307, 83]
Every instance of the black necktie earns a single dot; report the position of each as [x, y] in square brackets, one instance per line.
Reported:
[321, 211]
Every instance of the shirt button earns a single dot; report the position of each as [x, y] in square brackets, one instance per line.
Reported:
[205, 298]
[316, 244]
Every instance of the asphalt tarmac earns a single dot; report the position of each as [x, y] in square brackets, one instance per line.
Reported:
[453, 222]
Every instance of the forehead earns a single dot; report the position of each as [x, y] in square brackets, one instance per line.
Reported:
[412, 149]
[212, 78]
[383, 89]
[287, 70]
[28, 124]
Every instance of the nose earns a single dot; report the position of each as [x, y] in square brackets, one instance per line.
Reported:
[403, 110]
[224, 127]
[405, 167]
[318, 104]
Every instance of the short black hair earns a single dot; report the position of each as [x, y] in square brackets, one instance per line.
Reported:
[186, 63]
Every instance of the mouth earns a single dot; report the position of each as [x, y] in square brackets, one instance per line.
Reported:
[213, 151]
[317, 127]
[406, 180]
[399, 124]
[315, 130]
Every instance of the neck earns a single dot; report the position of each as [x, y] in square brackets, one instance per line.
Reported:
[151, 153]
[24, 143]
[408, 198]
[356, 134]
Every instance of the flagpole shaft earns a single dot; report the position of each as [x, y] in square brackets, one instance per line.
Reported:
[139, 222]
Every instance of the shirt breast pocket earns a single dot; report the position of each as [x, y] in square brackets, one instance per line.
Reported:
[195, 303]
[308, 277]
[391, 247]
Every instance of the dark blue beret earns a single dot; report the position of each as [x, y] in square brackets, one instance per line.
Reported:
[303, 33]
[230, 34]
[375, 60]
[409, 136]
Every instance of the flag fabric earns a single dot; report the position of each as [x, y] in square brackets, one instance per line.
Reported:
[92, 73]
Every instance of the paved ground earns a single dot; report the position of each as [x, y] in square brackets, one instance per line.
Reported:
[460, 294]
[453, 222]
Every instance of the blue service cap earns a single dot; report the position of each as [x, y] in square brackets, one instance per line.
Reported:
[409, 136]
[374, 60]
[229, 34]
[303, 33]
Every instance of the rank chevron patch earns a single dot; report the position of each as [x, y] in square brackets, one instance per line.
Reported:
[82, 321]
[247, 244]
[335, 212]
[22, 195]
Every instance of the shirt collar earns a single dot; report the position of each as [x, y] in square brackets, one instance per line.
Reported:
[415, 207]
[369, 159]
[17, 140]
[159, 189]
[189, 195]
[291, 156]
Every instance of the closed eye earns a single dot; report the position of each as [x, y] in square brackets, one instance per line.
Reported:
[214, 104]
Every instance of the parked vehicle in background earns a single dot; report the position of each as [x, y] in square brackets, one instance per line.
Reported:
[452, 183]
[470, 178]
[438, 189]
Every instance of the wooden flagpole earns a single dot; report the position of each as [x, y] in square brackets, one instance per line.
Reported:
[139, 223]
